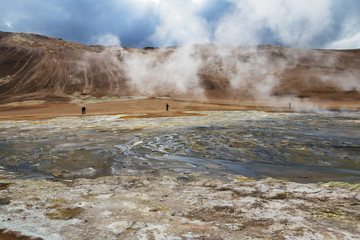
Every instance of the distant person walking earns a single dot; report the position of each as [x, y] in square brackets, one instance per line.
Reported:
[167, 107]
[83, 110]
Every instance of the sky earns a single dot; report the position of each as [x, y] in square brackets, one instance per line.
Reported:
[325, 24]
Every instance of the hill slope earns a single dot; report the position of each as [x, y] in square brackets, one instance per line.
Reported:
[39, 67]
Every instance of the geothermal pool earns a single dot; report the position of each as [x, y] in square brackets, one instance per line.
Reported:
[301, 147]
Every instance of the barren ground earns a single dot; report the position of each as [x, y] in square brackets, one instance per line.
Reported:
[155, 107]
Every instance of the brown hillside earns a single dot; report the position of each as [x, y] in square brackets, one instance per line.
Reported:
[34, 66]
[42, 68]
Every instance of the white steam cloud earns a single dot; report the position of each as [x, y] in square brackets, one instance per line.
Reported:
[250, 71]
[165, 71]
[180, 24]
[106, 40]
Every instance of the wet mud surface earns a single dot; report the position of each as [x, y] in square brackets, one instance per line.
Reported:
[193, 177]
[301, 147]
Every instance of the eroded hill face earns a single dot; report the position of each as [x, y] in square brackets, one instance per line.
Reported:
[39, 67]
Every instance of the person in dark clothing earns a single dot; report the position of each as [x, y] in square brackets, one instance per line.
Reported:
[167, 107]
[83, 110]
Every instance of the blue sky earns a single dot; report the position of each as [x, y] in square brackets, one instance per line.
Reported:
[140, 23]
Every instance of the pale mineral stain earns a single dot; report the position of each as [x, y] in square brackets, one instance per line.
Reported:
[200, 207]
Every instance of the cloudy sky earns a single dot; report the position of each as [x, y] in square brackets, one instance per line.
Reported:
[140, 23]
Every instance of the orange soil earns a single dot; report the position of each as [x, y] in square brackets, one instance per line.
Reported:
[153, 107]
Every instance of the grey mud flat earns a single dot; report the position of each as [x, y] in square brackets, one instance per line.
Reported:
[301, 147]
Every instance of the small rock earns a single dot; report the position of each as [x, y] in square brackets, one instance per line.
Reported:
[4, 201]
[65, 213]
[4, 186]
[280, 195]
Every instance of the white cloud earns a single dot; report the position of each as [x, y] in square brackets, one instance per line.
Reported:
[348, 42]
[136, 8]
[294, 23]
[8, 24]
[349, 36]
[199, 3]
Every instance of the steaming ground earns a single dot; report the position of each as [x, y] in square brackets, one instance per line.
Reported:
[202, 176]
[129, 169]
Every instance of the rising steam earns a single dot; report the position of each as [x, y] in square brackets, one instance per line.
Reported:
[210, 49]
[165, 71]
[255, 72]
